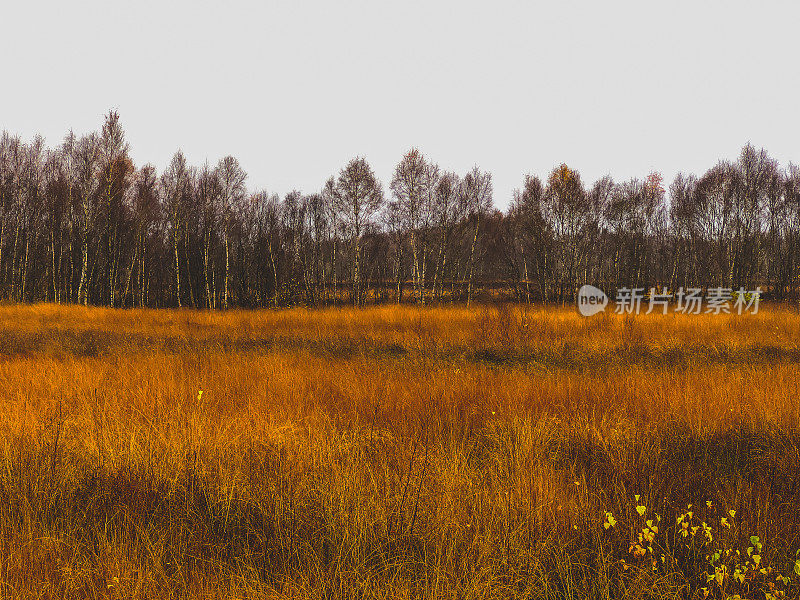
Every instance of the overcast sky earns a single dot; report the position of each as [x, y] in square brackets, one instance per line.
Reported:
[295, 89]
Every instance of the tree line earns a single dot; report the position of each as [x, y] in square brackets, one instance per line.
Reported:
[81, 223]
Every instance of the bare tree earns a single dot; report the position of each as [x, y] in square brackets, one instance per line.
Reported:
[81, 223]
[357, 196]
[414, 187]
[529, 235]
[174, 188]
[786, 252]
[475, 194]
[146, 212]
[85, 162]
[209, 204]
[446, 212]
[232, 191]
[117, 174]
[318, 227]
[565, 209]
[683, 218]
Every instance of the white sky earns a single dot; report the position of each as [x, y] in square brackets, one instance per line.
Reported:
[295, 89]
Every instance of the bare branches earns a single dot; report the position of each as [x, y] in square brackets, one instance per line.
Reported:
[357, 196]
[80, 222]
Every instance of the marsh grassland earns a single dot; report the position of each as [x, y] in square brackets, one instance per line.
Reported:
[394, 452]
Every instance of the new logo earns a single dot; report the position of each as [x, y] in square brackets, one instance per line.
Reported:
[591, 300]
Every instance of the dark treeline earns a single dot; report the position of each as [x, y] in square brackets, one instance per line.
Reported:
[81, 223]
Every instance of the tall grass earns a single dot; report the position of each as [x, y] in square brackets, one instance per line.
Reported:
[397, 452]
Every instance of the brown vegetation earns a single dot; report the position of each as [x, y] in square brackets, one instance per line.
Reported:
[397, 452]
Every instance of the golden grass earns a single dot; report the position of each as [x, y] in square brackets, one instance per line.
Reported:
[393, 452]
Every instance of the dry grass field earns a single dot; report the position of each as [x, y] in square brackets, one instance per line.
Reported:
[394, 452]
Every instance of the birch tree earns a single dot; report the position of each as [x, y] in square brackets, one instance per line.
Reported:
[357, 196]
